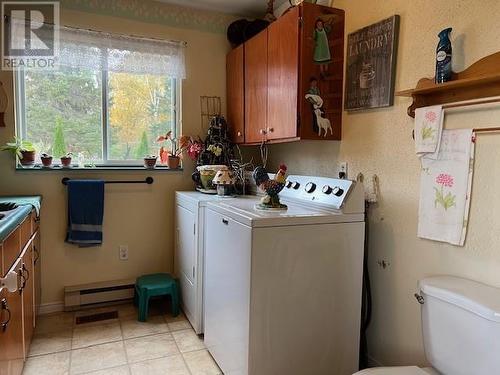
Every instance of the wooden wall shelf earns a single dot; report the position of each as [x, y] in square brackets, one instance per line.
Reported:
[480, 80]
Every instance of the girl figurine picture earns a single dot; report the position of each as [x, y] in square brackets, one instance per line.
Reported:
[322, 56]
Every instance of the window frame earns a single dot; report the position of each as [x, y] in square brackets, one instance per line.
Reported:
[21, 122]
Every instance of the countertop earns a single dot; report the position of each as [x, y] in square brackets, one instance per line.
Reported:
[15, 216]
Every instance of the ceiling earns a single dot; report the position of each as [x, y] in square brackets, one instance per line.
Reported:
[249, 8]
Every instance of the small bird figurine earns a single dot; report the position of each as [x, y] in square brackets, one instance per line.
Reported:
[272, 188]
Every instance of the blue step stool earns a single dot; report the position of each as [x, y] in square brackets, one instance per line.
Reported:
[157, 284]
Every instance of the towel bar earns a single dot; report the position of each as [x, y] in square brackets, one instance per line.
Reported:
[148, 180]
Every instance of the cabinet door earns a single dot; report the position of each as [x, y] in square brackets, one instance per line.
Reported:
[11, 332]
[256, 88]
[37, 276]
[185, 257]
[11, 249]
[235, 82]
[28, 293]
[283, 76]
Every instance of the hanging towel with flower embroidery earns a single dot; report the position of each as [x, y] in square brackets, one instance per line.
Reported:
[445, 187]
[428, 129]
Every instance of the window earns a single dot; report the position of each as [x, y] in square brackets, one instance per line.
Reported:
[107, 101]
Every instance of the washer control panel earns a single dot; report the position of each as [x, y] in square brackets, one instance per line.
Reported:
[330, 191]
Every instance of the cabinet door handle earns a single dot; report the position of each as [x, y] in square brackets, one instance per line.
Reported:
[22, 277]
[20, 280]
[25, 270]
[271, 130]
[225, 221]
[263, 131]
[5, 306]
[37, 255]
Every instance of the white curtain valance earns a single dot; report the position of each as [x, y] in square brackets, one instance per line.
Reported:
[79, 48]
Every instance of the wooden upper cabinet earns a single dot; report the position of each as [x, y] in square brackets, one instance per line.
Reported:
[236, 94]
[283, 76]
[256, 88]
[321, 72]
[293, 78]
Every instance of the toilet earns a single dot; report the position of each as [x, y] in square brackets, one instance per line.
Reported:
[460, 327]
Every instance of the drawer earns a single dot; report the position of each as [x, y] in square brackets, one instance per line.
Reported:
[26, 230]
[11, 250]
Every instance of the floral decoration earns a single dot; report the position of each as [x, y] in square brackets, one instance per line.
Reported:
[445, 199]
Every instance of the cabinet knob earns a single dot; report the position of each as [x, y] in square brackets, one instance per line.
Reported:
[5, 307]
[238, 134]
[271, 130]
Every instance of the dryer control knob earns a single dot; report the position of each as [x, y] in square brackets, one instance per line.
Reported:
[296, 185]
[338, 191]
[288, 184]
[310, 187]
[327, 189]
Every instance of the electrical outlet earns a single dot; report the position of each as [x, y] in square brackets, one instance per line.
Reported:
[343, 170]
[123, 252]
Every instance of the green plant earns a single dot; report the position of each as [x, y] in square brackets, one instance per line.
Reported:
[59, 147]
[18, 146]
[427, 132]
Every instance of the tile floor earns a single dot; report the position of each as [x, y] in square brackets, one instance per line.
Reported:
[163, 345]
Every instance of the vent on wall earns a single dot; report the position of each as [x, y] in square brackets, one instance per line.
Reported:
[79, 296]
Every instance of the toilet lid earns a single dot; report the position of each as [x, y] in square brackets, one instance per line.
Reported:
[407, 370]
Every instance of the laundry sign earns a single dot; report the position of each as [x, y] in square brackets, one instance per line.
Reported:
[371, 65]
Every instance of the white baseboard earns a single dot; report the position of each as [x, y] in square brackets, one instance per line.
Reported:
[52, 307]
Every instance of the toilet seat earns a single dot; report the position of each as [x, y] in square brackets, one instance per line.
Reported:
[405, 370]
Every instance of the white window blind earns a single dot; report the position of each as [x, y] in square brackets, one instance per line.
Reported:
[95, 50]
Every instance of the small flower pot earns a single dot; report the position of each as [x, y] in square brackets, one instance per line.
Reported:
[28, 159]
[66, 161]
[150, 163]
[173, 162]
[46, 161]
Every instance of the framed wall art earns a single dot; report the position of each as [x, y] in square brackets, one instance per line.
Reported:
[371, 65]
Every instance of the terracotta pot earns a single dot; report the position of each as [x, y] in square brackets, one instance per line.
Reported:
[46, 161]
[28, 158]
[66, 161]
[150, 163]
[173, 162]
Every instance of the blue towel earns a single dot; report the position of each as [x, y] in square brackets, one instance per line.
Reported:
[85, 212]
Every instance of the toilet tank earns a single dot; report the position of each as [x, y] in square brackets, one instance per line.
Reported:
[461, 325]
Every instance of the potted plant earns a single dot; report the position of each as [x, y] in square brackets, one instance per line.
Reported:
[172, 157]
[46, 160]
[23, 150]
[66, 160]
[150, 161]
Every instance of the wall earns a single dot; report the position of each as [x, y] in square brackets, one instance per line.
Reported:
[139, 216]
[379, 142]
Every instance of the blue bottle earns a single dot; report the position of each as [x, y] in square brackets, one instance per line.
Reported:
[443, 57]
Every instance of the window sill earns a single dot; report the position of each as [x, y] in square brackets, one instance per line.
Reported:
[98, 168]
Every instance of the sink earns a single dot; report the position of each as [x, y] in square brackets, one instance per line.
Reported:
[7, 206]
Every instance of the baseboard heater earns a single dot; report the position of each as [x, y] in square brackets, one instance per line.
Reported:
[86, 295]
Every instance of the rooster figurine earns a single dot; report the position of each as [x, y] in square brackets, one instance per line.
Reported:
[272, 188]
